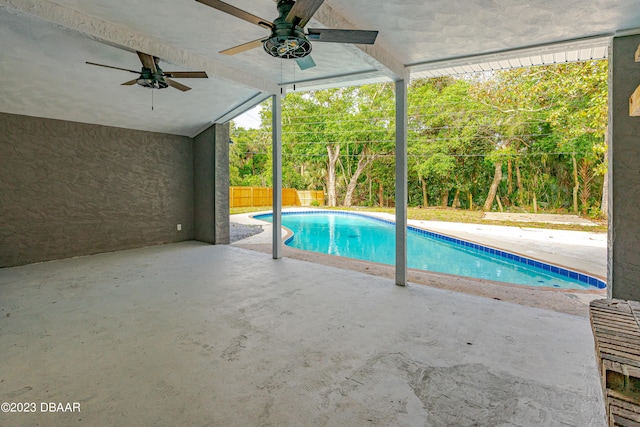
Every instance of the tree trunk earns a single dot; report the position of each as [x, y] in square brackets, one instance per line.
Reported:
[456, 200]
[576, 183]
[470, 200]
[520, 185]
[334, 153]
[604, 204]
[425, 194]
[535, 190]
[499, 203]
[364, 161]
[586, 178]
[381, 195]
[425, 199]
[444, 199]
[497, 177]
[510, 177]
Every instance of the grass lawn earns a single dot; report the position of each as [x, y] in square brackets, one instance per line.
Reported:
[452, 215]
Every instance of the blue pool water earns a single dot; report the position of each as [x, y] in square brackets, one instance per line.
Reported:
[358, 236]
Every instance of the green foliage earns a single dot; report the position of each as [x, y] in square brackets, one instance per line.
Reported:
[546, 126]
[249, 158]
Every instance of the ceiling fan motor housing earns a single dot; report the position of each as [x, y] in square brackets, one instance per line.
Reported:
[152, 80]
[287, 38]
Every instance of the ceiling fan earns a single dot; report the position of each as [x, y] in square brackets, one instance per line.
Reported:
[152, 76]
[288, 39]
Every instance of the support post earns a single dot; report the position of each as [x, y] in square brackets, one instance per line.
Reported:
[401, 182]
[276, 126]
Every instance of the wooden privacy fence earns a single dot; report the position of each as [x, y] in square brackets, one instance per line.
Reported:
[242, 197]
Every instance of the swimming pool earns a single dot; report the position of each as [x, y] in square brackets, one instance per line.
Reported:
[367, 238]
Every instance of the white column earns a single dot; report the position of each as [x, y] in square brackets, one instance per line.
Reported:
[276, 148]
[401, 182]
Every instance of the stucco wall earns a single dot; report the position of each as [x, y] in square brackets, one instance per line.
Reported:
[70, 189]
[221, 165]
[624, 172]
[211, 178]
[204, 179]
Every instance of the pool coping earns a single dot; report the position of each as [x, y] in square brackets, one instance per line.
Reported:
[595, 283]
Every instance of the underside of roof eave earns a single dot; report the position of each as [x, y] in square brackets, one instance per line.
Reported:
[592, 48]
[242, 107]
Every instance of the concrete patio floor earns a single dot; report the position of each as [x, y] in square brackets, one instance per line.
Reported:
[193, 334]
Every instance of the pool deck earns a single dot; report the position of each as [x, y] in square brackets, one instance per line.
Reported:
[580, 251]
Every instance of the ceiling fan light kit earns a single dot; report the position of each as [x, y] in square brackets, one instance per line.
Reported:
[151, 80]
[287, 40]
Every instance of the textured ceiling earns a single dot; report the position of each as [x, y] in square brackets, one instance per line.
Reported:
[418, 31]
[44, 45]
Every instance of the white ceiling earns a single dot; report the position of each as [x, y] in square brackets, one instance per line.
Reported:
[44, 45]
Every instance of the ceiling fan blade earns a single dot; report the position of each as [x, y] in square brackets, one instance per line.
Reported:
[186, 74]
[147, 61]
[306, 62]
[243, 47]
[177, 85]
[238, 13]
[130, 82]
[115, 68]
[302, 11]
[329, 35]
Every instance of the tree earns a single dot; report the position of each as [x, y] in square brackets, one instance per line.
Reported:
[448, 136]
[326, 130]
[371, 114]
[565, 109]
[249, 157]
[523, 138]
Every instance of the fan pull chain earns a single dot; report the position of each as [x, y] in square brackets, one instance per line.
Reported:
[151, 99]
[281, 76]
